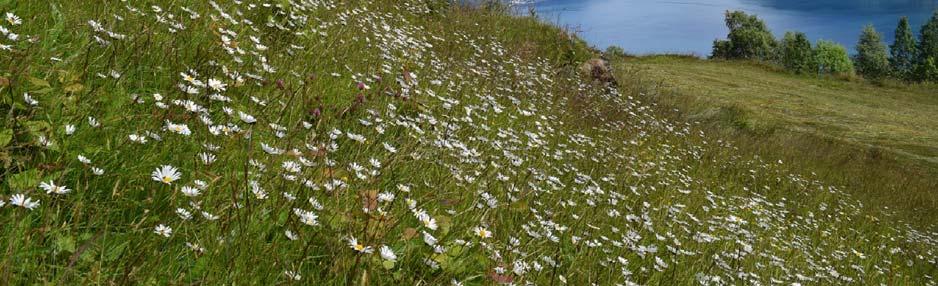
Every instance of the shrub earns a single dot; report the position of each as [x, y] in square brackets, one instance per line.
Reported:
[749, 38]
[872, 61]
[796, 54]
[928, 70]
[615, 52]
[832, 58]
[903, 51]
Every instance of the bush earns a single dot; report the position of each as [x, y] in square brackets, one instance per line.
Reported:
[904, 51]
[796, 54]
[616, 52]
[749, 38]
[928, 70]
[832, 58]
[872, 61]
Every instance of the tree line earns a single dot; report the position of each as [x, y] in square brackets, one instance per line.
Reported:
[909, 58]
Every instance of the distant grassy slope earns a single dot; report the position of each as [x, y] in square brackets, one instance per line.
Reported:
[900, 119]
[879, 142]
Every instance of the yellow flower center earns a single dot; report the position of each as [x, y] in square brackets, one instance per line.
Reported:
[359, 247]
[167, 179]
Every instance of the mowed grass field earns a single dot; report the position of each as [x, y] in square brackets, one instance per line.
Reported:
[897, 118]
[878, 139]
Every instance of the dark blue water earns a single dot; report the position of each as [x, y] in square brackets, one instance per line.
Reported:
[690, 26]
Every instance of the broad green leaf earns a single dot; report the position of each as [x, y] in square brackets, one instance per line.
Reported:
[25, 180]
[5, 137]
[38, 82]
[64, 243]
[388, 264]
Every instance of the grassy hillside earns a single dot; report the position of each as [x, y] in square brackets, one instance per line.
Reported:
[879, 140]
[897, 118]
[385, 142]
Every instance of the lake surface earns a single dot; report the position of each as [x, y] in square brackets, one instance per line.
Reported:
[690, 26]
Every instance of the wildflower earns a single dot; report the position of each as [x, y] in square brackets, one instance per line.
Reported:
[97, 171]
[181, 129]
[387, 253]
[389, 148]
[83, 159]
[482, 232]
[291, 166]
[183, 214]
[23, 201]
[306, 217]
[13, 19]
[93, 122]
[165, 174]
[207, 158]
[217, 85]
[429, 239]
[191, 80]
[69, 129]
[290, 235]
[137, 138]
[353, 243]
[426, 219]
[29, 100]
[163, 230]
[356, 137]
[247, 118]
[386, 197]
[190, 191]
[293, 275]
[195, 247]
[51, 188]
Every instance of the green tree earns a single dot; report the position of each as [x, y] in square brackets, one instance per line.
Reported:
[926, 69]
[832, 58]
[796, 54]
[872, 61]
[749, 38]
[904, 53]
[928, 44]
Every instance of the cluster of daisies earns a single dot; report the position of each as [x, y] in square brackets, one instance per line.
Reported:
[445, 155]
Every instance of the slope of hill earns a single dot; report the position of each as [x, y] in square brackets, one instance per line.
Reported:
[899, 119]
[876, 140]
[384, 142]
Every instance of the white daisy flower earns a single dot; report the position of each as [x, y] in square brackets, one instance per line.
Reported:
[13, 19]
[163, 230]
[190, 191]
[23, 201]
[217, 85]
[165, 174]
[29, 100]
[482, 232]
[181, 129]
[51, 188]
[247, 118]
[361, 248]
[387, 253]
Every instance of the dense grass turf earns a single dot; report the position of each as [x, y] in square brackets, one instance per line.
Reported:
[385, 142]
